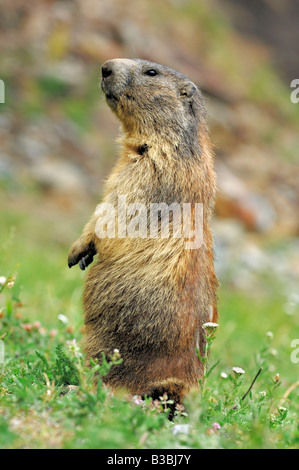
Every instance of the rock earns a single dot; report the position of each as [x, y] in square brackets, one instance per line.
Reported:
[235, 200]
[71, 72]
[60, 176]
[6, 169]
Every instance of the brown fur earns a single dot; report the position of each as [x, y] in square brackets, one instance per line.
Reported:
[150, 297]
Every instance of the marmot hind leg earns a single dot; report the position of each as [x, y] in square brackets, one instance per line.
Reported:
[170, 390]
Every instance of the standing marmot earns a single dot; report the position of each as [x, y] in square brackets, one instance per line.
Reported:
[148, 296]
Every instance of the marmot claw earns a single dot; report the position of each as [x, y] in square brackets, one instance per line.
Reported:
[84, 257]
[85, 261]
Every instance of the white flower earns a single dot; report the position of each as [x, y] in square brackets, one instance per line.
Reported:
[73, 341]
[2, 280]
[116, 355]
[62, 318]
[210, 324]
[238, 370]
[281, 409]
[223, 375]
[262, 393]
[138, 400]
[74, 348]
[11, 281]
[180, 429]
[269, 334]
[210, 327]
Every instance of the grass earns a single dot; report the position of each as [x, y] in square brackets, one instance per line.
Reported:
[45, 385]
[48, 398]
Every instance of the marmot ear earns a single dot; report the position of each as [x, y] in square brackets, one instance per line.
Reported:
[188, 89]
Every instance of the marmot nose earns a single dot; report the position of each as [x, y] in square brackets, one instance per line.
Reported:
[106, 71]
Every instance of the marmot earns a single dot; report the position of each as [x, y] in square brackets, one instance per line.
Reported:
[149, 296]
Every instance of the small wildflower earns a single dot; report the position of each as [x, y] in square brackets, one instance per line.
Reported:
[1, 313]
[156, 405]
[213, 400]
[214, 429]
[2, 280]
[223, 375]
[70, 342]
[73, 347]
[53, 333]
[36, 325]
[164, 398]
[282, 409]
[277, 378]
[282, 412]
[42, 331]
[216, 426]
[210, 326]
[62, 318]
[262, 393]
[238, 370]
[70, 329]
[116, 355]
[26, 326]
[138, 400]
[180, 409]
[11, 282]
[180, 429]
[269, 334]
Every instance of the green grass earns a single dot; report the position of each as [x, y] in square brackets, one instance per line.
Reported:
[48, 398]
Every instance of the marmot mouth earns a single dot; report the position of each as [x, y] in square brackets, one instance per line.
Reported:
[111, 97]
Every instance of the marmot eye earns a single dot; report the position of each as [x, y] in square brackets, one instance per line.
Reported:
[151, 72]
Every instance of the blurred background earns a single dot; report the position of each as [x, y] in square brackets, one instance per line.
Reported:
[57, 144]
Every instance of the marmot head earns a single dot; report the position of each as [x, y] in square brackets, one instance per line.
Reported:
[151, 99]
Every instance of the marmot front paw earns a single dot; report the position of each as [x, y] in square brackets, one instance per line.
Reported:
[82, 255]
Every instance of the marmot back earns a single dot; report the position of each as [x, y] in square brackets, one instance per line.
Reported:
[153, 284]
